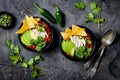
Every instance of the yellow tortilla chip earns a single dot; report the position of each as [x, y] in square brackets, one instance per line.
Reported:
[68, 30]
[37, 19]
[28, 23]
[23, 28]
[66, 36]
[76, 30]
[31, 20]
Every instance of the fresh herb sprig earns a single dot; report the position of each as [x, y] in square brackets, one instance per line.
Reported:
[94, 15]
[16, 58]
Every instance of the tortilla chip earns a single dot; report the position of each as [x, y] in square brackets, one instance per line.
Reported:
[28, 23]
[76, 30]
[66, 36]
[68, 30]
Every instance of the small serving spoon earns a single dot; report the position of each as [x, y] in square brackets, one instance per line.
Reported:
[106, 40]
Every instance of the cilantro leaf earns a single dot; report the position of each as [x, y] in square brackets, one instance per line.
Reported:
[8, 43]
[96, 10]
[34, 74]
[16, 57]
[24, 65]
[90, 17]
[37, 58]
[98, 21]
[16, 50]
[80, 5]
[31, 62]
[93, 5]
[15, 62]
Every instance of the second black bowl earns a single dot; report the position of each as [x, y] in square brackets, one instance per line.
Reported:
[93, 46]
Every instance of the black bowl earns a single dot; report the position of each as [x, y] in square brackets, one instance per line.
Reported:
[93, 48]
[12, 23]
[47, 45]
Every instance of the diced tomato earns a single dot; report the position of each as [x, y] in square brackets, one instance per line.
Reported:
[89, 45]
[32, 47]
[47, 39]
[88, 34]
[47, 29]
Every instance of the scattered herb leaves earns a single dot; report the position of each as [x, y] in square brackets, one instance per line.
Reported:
[92, 16]
[16, 58]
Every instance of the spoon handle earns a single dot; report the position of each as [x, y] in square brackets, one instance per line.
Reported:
[87, 64]
[94, 68]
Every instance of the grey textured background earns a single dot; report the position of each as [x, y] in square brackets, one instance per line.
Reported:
[58, 66]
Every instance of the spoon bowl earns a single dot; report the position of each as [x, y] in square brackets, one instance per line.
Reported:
[108, 37]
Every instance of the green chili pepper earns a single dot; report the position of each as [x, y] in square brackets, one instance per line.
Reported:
[45, 13]
[59, 16]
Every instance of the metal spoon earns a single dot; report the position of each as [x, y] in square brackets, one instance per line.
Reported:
[106, 40]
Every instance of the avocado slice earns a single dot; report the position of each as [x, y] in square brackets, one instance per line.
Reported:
[24, 42]
[68, 47]
[26, 37]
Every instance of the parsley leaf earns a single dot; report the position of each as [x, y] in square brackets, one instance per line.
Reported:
[80, 5]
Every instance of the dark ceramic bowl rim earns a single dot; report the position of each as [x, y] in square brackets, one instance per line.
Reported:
[12, 21]
[93, 49]
[47, 46]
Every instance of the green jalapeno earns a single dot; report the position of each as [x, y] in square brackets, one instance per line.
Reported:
[45, 13]
[59, 16]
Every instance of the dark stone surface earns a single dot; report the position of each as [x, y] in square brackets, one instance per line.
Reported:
[59, 67]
